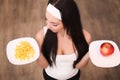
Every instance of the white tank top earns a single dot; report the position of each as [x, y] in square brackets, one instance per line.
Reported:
[63, 69]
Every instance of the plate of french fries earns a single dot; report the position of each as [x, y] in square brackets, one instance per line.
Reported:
[22, 51]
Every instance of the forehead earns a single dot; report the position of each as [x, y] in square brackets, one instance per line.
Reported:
[50, 17]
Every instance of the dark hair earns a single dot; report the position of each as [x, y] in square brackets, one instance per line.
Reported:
[72, 23]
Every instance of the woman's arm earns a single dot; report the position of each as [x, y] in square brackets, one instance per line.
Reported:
[83, 62]
[42, 62]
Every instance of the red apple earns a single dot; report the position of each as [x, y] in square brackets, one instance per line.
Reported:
[106, 49]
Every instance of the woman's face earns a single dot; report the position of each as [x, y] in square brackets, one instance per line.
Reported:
[53, 23]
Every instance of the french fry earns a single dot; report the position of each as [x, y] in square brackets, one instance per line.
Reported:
[24, 51]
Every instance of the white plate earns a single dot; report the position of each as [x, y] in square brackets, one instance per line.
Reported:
[102, 61]
[11, 50]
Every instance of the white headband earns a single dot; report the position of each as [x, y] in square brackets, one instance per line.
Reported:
[54, 11]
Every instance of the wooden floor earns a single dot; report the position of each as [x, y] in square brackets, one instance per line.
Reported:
[23, 18]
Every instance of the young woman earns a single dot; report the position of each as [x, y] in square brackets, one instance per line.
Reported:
[63, 42]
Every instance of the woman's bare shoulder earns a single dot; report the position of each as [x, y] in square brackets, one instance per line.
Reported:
[87, 35]
[40, 36]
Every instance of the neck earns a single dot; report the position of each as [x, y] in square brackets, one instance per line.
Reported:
[62, 33]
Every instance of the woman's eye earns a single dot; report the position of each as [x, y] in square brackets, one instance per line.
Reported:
[55, 25]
